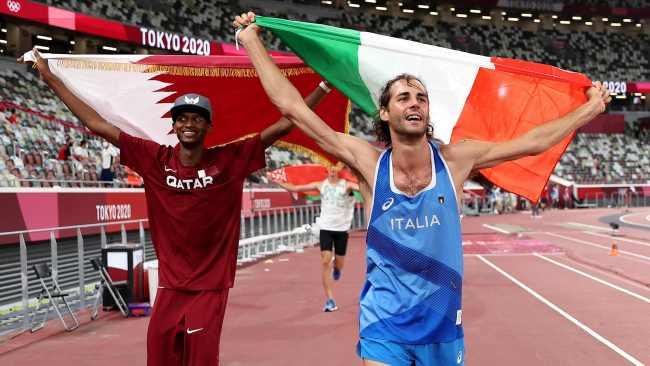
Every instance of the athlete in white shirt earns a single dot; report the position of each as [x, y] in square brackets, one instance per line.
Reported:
[334, 223]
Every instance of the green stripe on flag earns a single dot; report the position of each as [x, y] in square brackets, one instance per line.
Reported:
[330, 51]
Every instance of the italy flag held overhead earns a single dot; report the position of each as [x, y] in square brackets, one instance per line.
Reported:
[470, 96]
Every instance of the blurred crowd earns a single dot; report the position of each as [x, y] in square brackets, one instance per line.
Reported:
[44, 145]
[599, 55]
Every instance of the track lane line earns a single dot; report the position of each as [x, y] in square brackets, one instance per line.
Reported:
[618, 238]
[496, 229]
[597, 245]
[623, 219]
[566, 315]
[601, 281]
[592, 227]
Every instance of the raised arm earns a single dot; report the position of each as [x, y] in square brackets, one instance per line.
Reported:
[283, 126]
[351, 186]
[355, 152]
[470, 155]
[300, 188]
[88, 116]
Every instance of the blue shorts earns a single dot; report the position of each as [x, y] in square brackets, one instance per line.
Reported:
[399, 354]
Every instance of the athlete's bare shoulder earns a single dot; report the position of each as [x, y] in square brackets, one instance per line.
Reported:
[363, 156]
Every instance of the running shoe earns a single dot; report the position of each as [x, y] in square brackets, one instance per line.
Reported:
[336, 273]
[330, 306]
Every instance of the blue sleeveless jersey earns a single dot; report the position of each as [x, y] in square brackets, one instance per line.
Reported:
[414, 276]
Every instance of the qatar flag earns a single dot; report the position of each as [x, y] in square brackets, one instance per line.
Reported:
[136, 92]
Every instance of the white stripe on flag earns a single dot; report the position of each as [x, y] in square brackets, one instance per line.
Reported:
[447, 74]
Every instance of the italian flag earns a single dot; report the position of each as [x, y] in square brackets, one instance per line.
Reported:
[136, 93]
[470, 96]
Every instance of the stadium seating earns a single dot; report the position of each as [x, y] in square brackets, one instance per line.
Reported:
[606, 159]
[600, 55]
[45, 124]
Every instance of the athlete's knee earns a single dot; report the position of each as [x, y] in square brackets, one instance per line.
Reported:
[326, 258]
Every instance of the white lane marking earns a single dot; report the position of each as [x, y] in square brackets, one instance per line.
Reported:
[618, 238]
[510, 254]
[496, 229]
[624, 219]
[592, 227]
[566, 315]
[597, 245]
[625, 291]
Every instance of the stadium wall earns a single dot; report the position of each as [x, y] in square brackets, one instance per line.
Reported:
[38, 208]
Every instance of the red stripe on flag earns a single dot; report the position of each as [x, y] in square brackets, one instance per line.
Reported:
[540, 71]
[509, 101]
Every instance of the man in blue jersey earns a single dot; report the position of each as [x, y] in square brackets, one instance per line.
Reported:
[410, 307]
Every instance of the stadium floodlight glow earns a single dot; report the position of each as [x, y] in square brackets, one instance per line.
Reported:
[565, 22]
[410, 11]
[575, 17]
[44, 48]
[372, 1]
[637, 94]
[475, 11]
[452, 9]
[45, 38]
[627, 20]
[554, 16]
[513, 19]
[3, 41]
[353, 5]
[605, 19]
[526, 15]
[423, 6]
[486, 17]
[504, 13]
[109, 48]
[73, 42]
[638, 25]
[433, 12]
[326, 2]
[643, 97]
[615, 24]
[621, 96]
[537, 21]
[461, 15]
[588, 23]
[382, 8]
[4, 30]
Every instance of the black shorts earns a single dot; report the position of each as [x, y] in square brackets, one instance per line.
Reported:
[338, 239]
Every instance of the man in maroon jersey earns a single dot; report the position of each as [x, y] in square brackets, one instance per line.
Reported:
[194, 198]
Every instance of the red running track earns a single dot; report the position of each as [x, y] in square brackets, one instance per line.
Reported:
[573, 304]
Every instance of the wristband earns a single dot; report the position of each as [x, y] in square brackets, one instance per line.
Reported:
[324, 86]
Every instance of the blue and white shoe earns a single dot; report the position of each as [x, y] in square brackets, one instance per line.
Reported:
[330, 306]
[336, 273]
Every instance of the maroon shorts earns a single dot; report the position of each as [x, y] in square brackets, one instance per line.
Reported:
[185, 327]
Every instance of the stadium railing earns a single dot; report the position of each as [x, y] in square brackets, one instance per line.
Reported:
[265, 233]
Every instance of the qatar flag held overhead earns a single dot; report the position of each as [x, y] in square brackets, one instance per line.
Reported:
[136, 92]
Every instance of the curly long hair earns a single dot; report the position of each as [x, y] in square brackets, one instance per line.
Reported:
[381, 127]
